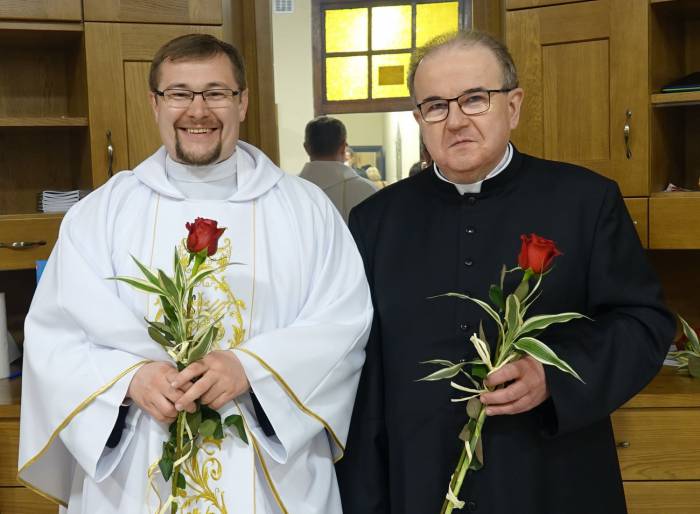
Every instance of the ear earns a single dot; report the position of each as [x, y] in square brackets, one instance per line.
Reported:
[154, 104]
[306, 148]
[417, 116]
[243, 105]
[515, 101]
[340, 156]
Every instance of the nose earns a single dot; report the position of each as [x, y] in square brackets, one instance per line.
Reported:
[198, 107]
[455, 117]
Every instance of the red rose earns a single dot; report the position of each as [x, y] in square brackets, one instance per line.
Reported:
[537, 253]
[203, 234]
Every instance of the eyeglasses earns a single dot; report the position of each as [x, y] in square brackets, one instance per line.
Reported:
[182, 98]
[476, 101]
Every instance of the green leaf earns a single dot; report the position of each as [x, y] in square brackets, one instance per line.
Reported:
[694, 366]
[181, 482]
[447, 372]
[693, 342]
[474, 407]
[138, 283]
[201, 275]
[218, 431]
[209, 413]
[236, 421]
[513, 318]
[543, 321]
[168, 308]
[479, 371]
[496, 296]
[194, 419]
[544, 354]
[177, 271]
[163, 328]
[169, 286]
[480, 303]
[158, 337]
[201, 347]
[441, 362]
[207, 428]
[166, 467]
[147, 273]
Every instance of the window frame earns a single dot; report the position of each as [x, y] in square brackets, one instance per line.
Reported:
[323, 106]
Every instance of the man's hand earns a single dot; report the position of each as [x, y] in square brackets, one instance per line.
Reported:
[221, 379]
[528, 388]
[151, 389]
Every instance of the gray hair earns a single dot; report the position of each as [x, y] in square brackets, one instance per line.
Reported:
[466, 39]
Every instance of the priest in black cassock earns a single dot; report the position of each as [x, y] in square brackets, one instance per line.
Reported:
[548, 441]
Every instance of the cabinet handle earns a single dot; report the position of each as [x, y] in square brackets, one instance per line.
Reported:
[110, 154]
[21, 245]
[623, 444]
[626, 130]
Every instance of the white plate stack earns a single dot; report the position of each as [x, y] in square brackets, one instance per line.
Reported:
[59, 201]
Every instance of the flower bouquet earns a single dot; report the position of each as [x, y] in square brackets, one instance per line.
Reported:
[187, 334]
[688, 353]
[517, 337]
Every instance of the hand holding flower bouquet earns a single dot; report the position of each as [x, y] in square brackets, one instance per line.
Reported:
[187, 334]
[517, 337]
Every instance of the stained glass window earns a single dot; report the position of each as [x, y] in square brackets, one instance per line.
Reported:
[363, 49]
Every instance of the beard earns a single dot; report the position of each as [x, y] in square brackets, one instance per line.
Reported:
[191, 159]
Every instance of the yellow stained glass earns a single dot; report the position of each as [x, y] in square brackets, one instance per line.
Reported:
[346, 78]
[346, 30]
[386, 70]
[435, 19]
[391, 27]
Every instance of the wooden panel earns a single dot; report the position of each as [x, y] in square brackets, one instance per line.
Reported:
[20, 500]
[576, 131]
[39, 227]
[141, 129]
[63, 10]
[9, 441]
[639, 212]
[680, 280]
[668, 389]
[674, 221]
[525, 4]
[204, 12]
[661, 444]
[603, 76]
[662, 497]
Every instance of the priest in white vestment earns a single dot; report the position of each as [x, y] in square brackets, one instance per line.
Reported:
[297, 316]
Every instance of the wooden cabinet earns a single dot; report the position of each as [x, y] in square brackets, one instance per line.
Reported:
[14, 498]
[658, 439]
[55, 10]
[204, 12]
[586, 94]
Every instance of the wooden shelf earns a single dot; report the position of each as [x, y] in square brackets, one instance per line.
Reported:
[677, 194]
[44, 121]
[674, 99]
[31, 216]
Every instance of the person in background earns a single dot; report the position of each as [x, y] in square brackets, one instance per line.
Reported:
[325, 142]
[351, 160]
[548, 444]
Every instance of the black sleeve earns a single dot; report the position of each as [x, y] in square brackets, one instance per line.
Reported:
[624, 346]
[116, 435]
[362, 473]
[265, 424]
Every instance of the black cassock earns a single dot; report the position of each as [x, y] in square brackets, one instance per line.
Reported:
[420, 238]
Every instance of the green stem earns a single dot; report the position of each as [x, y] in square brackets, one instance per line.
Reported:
[464, 461]
[180, 432]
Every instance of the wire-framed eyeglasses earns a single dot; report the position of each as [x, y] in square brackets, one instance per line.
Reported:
[214, 98]
[471, 103]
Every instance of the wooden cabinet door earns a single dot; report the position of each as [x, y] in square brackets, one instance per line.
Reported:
[584, 67]
[54, 10]
[200, 12]
[118, 58]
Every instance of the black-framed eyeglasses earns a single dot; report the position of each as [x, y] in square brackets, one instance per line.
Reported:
[214, 98]
[472, 102]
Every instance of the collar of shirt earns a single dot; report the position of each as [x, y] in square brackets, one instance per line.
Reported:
[476, 186]
[213, 182]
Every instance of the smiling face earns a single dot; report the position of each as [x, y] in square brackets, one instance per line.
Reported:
[198, 135]
[466, 148]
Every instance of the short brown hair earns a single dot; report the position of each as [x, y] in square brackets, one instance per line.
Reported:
[466, 39]
[196, 47]
[324, 136]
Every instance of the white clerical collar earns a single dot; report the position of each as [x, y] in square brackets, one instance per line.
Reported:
[214, 181]
[476, 186]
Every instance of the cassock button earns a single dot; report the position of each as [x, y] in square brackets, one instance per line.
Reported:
[471, 506]
[468, 262]
[471, 200]
[470, 231]
[464, 327]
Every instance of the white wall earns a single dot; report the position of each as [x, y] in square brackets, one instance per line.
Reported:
[291, 44]
[401, 134]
